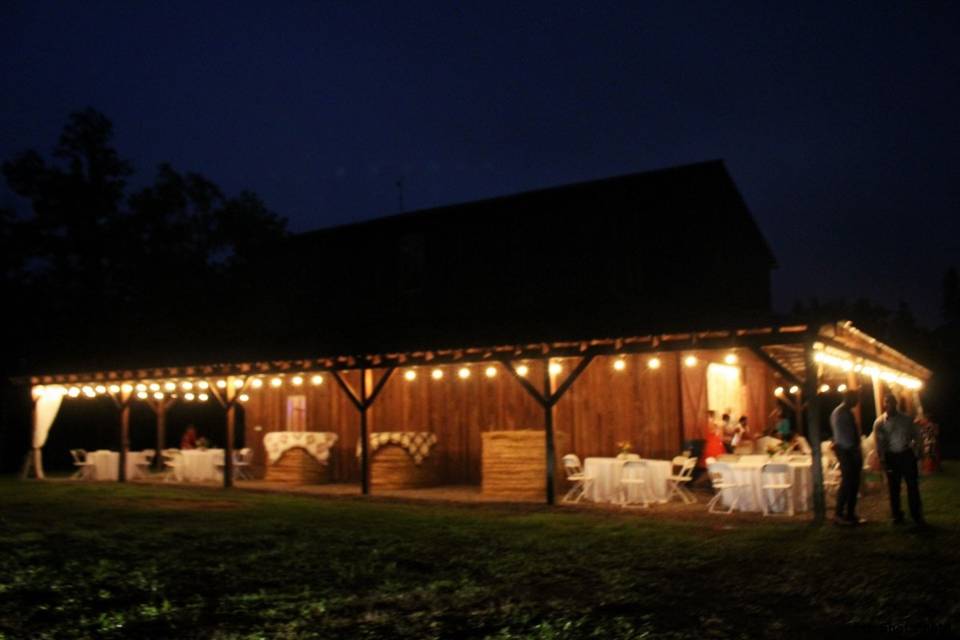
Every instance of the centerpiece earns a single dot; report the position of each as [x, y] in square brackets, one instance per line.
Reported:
[203, 443]
[624, 450]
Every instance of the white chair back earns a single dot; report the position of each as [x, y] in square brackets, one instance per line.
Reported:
[775, 467]
[79, 456]
[571, 465]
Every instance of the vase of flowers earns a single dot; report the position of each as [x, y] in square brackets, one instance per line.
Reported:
[624, 450]
[203, 443]
[777, 449]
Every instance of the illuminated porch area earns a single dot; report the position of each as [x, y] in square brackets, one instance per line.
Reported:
[422, 421]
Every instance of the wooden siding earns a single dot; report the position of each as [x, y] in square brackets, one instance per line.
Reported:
[643, 406]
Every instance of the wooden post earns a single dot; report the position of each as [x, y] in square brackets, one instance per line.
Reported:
[679, 362]
[230, 395]
[548, 430]
[364, 437]
[161, 409]
[124, 434]
[33, 459]
[811, 386]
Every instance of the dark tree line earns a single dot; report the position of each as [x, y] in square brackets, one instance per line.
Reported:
[938, 348]
[94, 271]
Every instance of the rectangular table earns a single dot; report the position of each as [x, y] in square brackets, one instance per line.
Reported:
[606, 479]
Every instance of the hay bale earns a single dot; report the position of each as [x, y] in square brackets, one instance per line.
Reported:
[514, 465]
[391, 467]
[296, 466]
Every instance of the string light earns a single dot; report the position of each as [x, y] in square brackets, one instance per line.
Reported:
[203, 397]
[73, 392]
[316, 380]
[100, 389]
[794, 389]
[221, 384]
[126, 387]
[410, 375]
[690, 361]
[841, 388]
[778, 391]
[730, 358]
[89, 392]
[824, 388]
[257, 383]
[203, 384]
[158, 396]
[619, 364]
[297, 380]
[555, 368]
[244, 397]
[437, 374]
[154, 386]
[170, 386]
[653, 363]
[142, 395]
[186, 385]
[141, 387]
[464, 373]
[114, 388]
[238, 383]
[523, 370]
[188, 396]
[276, 382]
[490, 371]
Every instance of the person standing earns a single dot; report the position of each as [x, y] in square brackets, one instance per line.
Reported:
[846, 446]
[897, 440]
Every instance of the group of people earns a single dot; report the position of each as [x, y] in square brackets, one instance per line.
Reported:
[897, 441]
[727, 436]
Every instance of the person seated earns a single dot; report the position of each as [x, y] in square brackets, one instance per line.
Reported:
[783, 427]
[189, 439]
[767, 443]
[798, 444]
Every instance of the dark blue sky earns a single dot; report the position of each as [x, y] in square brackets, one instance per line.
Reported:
[838, 122]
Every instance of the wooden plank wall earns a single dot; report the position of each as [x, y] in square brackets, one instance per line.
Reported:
[604, 406]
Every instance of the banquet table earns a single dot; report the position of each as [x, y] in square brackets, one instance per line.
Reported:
[106, 464]
[606, 479]
[199, 465]
[748, 471]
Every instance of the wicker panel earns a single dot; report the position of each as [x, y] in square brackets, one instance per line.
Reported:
[296, 466]
[514, 463]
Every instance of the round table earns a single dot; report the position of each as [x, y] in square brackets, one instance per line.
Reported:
[199, 465]
[606, 479]
[747, 472]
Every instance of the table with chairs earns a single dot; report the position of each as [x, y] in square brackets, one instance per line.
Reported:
[760, 483]
[104, 464]
[626, 480]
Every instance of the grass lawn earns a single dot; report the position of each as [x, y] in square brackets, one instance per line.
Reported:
[104, 560]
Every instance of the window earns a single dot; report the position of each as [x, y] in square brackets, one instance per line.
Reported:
[296, 413]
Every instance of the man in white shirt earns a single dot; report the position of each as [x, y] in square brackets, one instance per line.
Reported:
[897, 440]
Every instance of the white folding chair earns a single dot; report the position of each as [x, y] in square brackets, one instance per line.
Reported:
[144, 462]
[831, 475]
[172, 460]
[84, 468]
[722, 479]
[633, 473]
[241, 464]
[770, 480]
[575, 474]
[678, 480]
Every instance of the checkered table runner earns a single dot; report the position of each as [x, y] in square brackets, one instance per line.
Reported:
[315, 443]
[416, 443]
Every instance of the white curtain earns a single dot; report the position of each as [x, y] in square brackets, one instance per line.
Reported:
[725, 390]
[48, 405]
[48, 401]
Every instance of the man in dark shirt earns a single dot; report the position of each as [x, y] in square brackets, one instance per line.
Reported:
[846, 445]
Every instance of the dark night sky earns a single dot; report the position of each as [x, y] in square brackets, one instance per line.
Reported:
[839, 123]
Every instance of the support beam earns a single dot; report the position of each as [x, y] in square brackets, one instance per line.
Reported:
[548, 398]
[124, 436]
[548, 431]
[811, 386]
[364, 436]
[771, 362]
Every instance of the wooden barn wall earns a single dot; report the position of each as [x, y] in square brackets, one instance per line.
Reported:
[643, 406]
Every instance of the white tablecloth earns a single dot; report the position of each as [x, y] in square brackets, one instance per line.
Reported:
[199, 465]
[748, 472]
[606, 479]
[106, 464]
